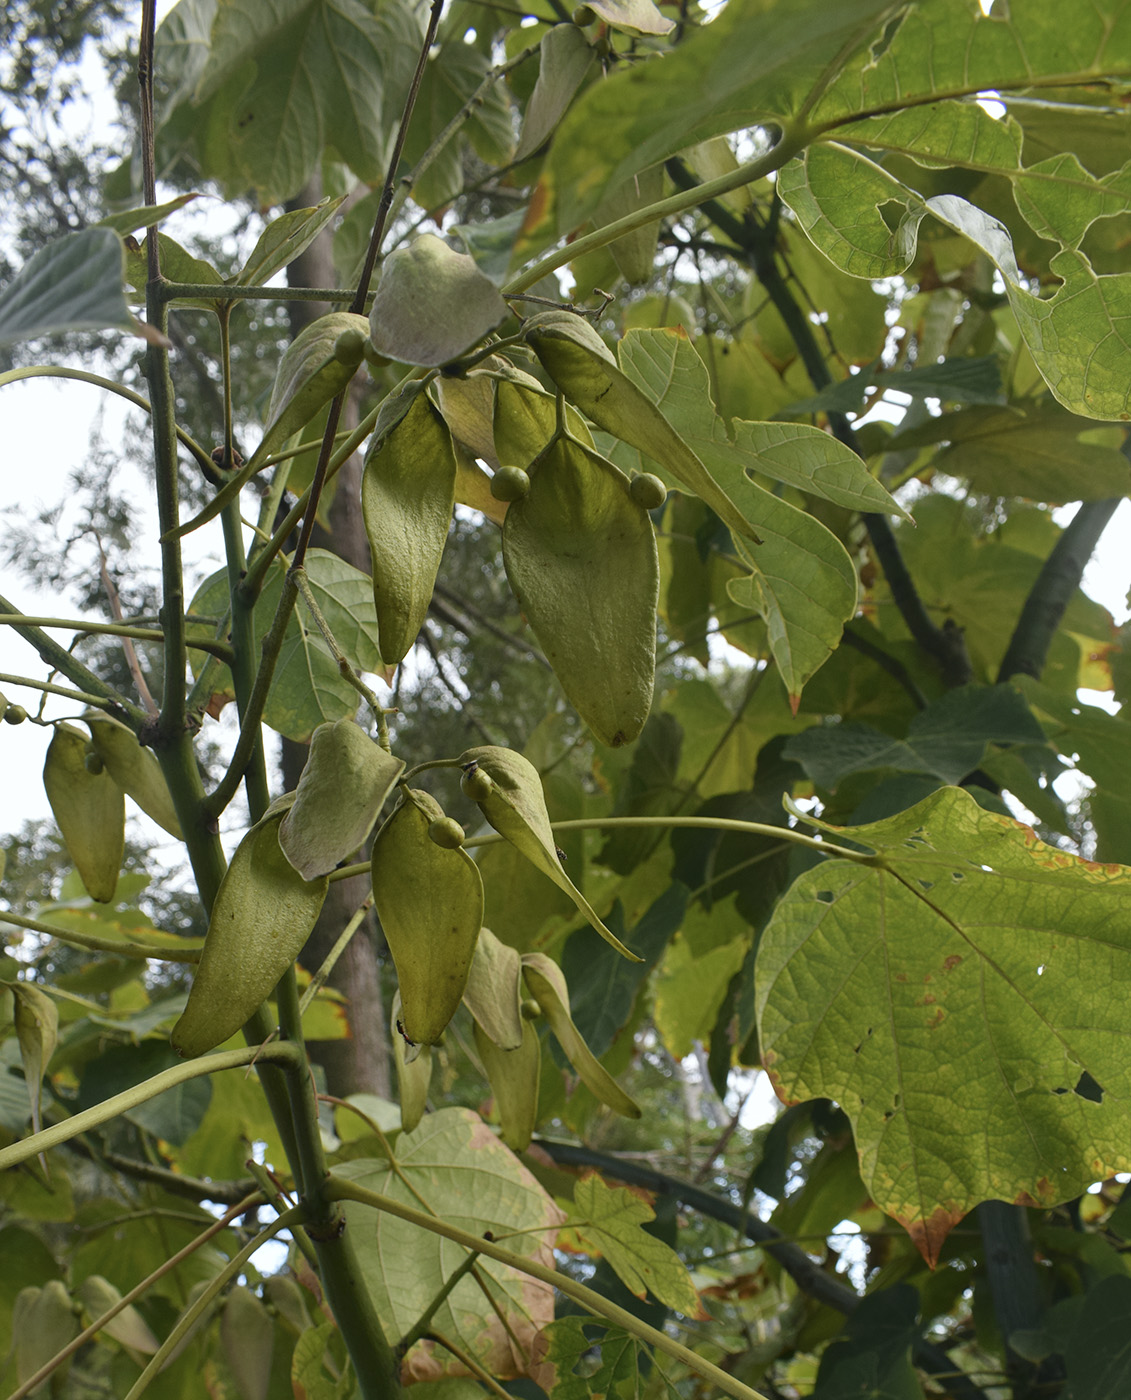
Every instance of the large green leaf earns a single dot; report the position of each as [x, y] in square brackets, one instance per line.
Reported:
[304, 74]
[1076, 336]
[756, 61]
[74, 284]
[308, 688]
[978, 978]
[453, 1165]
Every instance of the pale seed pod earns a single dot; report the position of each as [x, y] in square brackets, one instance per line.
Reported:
[513, 1076]
[344, 785]
[90, 809]
[263, 914]
[430, 903]
[494, 990]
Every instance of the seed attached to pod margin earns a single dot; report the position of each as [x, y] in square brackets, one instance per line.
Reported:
[648, 490]
[475, 784]
[15, 714]
[93, 762]
[582, 16]
[510, 484]
[349, 348]
[447, 832]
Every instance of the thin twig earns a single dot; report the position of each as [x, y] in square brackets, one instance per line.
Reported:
[127, 642]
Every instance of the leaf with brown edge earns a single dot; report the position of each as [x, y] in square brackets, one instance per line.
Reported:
[979, 979]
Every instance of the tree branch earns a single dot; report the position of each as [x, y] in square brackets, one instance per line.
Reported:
[805, 1271]
[1053, 588]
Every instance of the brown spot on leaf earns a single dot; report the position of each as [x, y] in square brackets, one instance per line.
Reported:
[949, 964]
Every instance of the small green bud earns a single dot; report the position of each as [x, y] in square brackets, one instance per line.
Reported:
[476, 784]
[648, 491]
[509, 484]
[447, 832]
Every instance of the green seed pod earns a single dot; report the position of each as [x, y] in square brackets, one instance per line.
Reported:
[414, 1073]
[476, 784]
[263, 914]
[430, 903]
[509, 484]
[90, 809]
[513, 1076]
[447, 832]
[516, 807]
[581, 559]
[408, 493]
[134, 769]
[493, 990]
[547, 986]
[15, 714]
[648, 491]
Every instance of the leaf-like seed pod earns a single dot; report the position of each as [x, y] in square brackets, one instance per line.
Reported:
[548, 987]
[134, 769]
[90, 809]
[310, 374]
[340, 794]
[43, 1322]
[408, 493]
[247, 1334]
[263, 914]
[494, 990]
[430, 903]
[515, 806]
[580, 555]
[513, 1076]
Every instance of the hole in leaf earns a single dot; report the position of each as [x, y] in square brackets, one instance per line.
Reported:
[926, 885]
[957, 876]
[825, 896]
[1087, 1088]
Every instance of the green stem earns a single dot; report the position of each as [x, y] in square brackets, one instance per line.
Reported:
[318, 981]
[375, 1363]
[111, 629]
[465, 1358]
[592, 1302]
[250, 741]
[81, 696]
[111, 386]
[122, 948]
[345, 668]
[789, 145]
[424, 1322]
[1053, 588]
[60, 659]
[112, 1107]
[189, 1318]
[35, 1380]
[209, 291]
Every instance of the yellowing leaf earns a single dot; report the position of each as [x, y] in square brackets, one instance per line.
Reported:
[606, 1220]
[90, 809]
[343, 787]
[980, 981]
[407, 497]
[580, 555]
